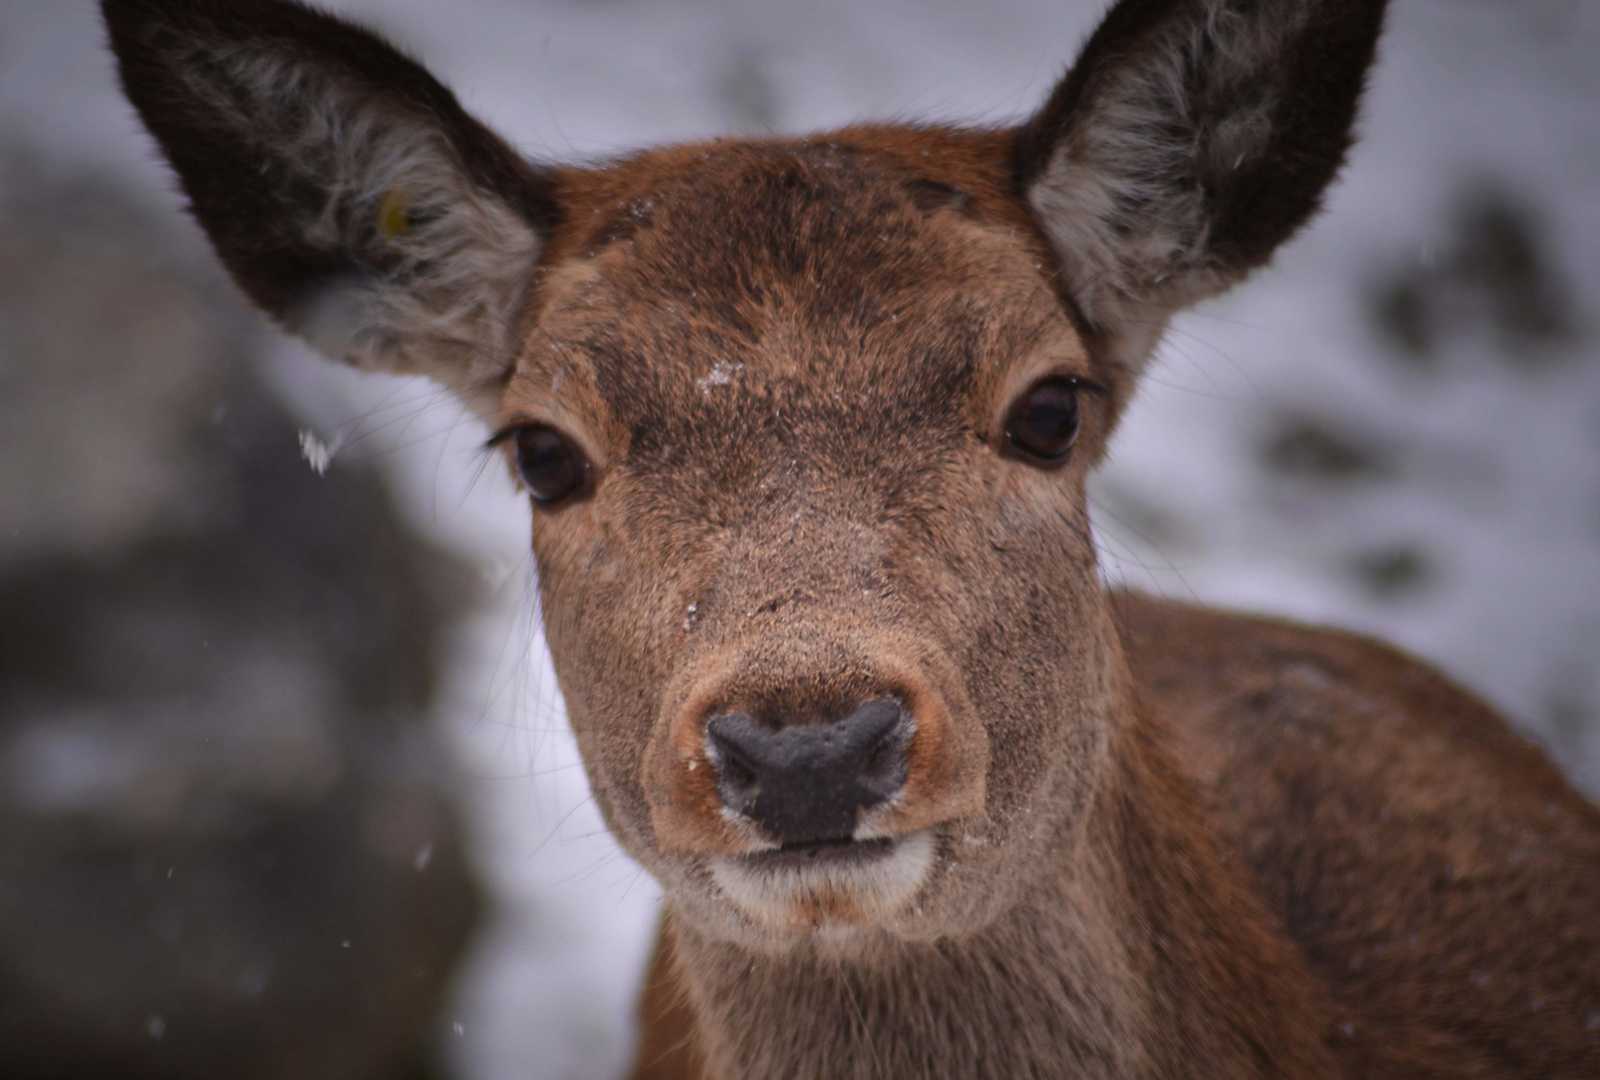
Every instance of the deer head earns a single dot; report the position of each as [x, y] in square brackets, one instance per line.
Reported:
[805, 422]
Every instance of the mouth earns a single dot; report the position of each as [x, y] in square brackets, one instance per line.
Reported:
[841, 852]
[832, 882]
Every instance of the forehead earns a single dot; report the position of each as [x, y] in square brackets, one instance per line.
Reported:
[802, 274]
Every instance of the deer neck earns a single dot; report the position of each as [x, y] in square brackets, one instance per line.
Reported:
[1144, 955]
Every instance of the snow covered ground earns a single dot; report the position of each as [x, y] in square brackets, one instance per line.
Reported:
[1396, 428]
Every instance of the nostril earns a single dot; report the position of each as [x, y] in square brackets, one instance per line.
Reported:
[735, 751]
[736, 773]
[738, 783]
[886, 761]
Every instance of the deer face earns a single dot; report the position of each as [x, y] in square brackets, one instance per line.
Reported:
[827, 630]
[806, 423]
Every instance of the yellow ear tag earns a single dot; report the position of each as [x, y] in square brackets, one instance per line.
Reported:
[394, 214]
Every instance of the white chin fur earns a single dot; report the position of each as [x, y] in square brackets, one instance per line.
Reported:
[828, 894]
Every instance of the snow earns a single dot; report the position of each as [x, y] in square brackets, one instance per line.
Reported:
[318, 453]
[721, 374]
[1474, 541]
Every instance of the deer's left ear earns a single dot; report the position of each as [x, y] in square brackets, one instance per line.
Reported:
[1191, 138]
[346, 190]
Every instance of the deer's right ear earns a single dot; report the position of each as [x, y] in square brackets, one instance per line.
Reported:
[1190, 139]
[346, 190]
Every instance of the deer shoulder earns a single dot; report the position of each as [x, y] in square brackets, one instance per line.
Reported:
[1440, 874]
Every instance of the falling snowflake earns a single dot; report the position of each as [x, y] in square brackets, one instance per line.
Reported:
[318, 454]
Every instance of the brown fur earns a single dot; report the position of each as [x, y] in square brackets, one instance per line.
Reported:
[1134, 839]
[1142, 954]
[1441, 876]
[1391, 824]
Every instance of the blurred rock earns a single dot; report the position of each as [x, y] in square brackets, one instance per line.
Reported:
[1306, 448]
[1392, 572]
[1494, 280]
[227, 847]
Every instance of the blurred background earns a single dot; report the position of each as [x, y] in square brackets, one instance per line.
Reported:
[285, 784]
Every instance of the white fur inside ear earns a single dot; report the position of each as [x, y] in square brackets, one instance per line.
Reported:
[451, 262]
[1122, 197]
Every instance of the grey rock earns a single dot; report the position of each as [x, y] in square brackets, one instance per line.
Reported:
[227, 843]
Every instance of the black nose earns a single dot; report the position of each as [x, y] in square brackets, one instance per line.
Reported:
[806, 784]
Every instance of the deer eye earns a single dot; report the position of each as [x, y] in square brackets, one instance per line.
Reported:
[1043, 424]
[552, 468]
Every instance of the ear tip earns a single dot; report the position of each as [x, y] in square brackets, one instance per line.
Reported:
[122, 16]
[1125, 207]
[129, 13]
[252, 18]
[132, 22]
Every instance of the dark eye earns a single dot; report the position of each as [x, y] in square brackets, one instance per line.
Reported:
[550, 465]
[1043, 424]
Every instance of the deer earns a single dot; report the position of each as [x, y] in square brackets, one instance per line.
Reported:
[805, 423]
